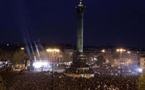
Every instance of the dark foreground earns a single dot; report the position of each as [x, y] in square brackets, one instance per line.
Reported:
[47, 81]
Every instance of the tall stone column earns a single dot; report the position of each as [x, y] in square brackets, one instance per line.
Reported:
[80, 27]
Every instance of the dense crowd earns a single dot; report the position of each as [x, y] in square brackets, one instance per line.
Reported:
[99, 83]
[48, 81]
[2, 86]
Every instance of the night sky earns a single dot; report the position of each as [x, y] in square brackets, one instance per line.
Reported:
[107, 22]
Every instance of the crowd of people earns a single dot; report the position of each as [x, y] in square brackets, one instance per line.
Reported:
[99, 82]
[2, 86]
[49, 81]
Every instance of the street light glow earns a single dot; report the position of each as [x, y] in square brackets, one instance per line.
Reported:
[22, 48]
[50, 50]
[120, 50]
[129, 52]
[103, 50]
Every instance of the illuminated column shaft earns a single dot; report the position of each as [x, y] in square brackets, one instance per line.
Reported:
[80, 26]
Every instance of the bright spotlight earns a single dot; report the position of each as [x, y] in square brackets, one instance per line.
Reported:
[41, 66]
[140, 70]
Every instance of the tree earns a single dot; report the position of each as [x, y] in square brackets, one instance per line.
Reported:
[5, 55]
[19, 57]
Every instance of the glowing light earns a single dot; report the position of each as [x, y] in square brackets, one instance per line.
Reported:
[8, 44]
[117, 50]
[22, 48]
[140, 70]
[120, 50]
[129, 52]
[41, 65]
[51, 50]
[103, 51]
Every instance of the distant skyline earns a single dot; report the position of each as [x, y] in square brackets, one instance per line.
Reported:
[107, 22]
